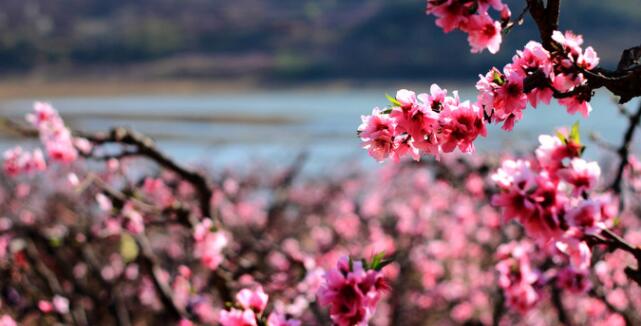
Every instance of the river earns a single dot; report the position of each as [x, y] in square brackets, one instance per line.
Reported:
[245, 126]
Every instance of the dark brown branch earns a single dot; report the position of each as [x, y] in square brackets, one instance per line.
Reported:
[48, 276]
[614, 241]
[149, 260]
[508, 25]
[118, 305]
[145, 147]
[597, 294]
[281, 190]
[624, 82]
[552, 11]
[539, 14]
[499, 308]
[624, 150]
[557, 301]
[546, 19]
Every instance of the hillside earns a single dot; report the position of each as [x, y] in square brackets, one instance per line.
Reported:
[270, 39]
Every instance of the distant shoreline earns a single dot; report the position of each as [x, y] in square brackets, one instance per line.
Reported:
[46, 89]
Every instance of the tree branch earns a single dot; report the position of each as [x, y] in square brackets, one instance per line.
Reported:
[624, 150]
[557, 301]
[624, 82]
[145, 147]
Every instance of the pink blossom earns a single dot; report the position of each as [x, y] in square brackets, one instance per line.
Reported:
[472, 18]
[574, 104]
[44, 113]
[532, 59]
[6, 320]
[575, 281]
[502, 96]
[586, 216]
[483, 33]
[582, 175]
[588, 59]
[418, 120]
[351, 292]
[551, 152]
[4, 247]
[61, 304]
[570, 41]
[57, 139]
[377, 132]
[182, 290]
[517, 277]
[255, 300]
[45, 306]
[236, 317]
[510, 100]
[530, 197]
[133, 220]
[516, 180]
[185, 322]
[461, 125]
[450, 13]
[17, 161]
[209, 244]
[578, 252]
[496, 4]
[278, 319]
[54, 135]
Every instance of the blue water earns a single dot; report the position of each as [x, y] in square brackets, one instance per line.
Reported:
[321, 122]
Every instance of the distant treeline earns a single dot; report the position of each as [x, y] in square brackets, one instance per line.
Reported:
[273, 39]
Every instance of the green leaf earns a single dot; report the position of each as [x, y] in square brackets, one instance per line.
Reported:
[55, 242]
[376, 260]
[575, 134]
[616, 221]
[498, 78]
[128, 248]
[561, 136]
[379, 261]
[393, 100]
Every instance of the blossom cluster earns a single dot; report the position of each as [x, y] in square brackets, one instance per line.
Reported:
[472, 17]
[249, 310]
[209, 244]
[351, 292]
[283, 244]
[520, 281]
[57, 139]
[424, 123]
[503, 93]
[54, 135]
[551, 195]
[548, 194]
[18, 161]
[436, 123]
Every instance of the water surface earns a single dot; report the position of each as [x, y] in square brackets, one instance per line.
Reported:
[232, 127]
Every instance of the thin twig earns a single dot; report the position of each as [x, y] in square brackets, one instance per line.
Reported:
[624, 150]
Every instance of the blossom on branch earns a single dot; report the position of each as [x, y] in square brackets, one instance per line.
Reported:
[471, 17]
[351, 292]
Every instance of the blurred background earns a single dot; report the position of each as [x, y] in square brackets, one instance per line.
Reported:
[230, 80]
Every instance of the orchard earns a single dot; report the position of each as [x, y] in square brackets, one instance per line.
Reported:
[106, 229]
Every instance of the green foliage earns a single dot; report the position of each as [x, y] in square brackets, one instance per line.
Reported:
[393, 101]
[128, 248]
[575, 134]
[378, 262]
